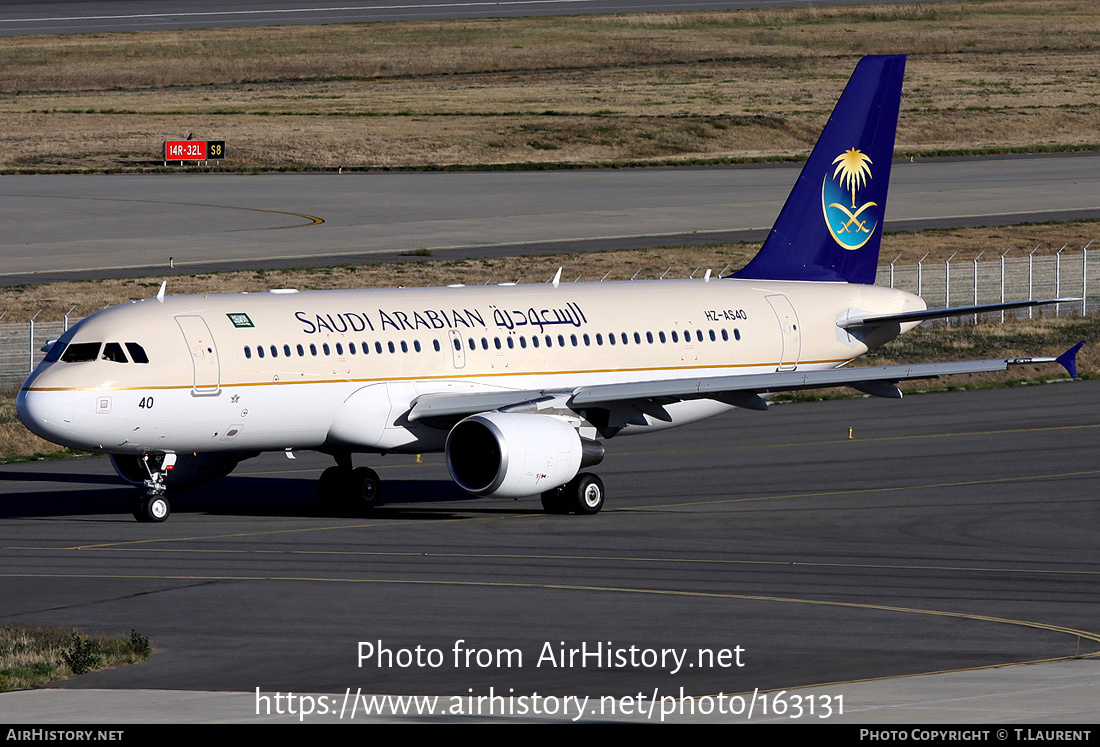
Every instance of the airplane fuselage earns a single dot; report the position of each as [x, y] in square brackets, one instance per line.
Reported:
[341, 369]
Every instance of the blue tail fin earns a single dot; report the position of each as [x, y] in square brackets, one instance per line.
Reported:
[831, 225]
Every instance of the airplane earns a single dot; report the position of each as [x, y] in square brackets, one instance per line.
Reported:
[519, 385]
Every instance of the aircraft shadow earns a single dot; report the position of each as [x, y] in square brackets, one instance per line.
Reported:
[47, 476]
[243, 496]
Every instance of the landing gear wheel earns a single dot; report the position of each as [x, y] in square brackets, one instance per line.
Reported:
[586, 494]
[365, 490]
[152, 509]
[333, 488]
[554, 501]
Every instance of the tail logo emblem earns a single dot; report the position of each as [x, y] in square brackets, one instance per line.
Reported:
[851, 227]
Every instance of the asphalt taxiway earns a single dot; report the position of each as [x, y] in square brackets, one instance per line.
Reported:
[20, 18]
[90, 226]
[950, 532]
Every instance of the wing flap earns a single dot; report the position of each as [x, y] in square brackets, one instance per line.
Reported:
[865, 378]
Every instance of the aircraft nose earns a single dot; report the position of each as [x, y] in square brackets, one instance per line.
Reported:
[46, 414]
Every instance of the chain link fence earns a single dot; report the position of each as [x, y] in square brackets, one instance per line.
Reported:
[956, 282]
[1004, 277]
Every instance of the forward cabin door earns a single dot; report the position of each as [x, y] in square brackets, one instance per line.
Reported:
[204, 354]
[459, 357]
[789, 332]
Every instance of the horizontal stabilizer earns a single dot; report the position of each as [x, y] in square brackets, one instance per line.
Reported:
[926, 314]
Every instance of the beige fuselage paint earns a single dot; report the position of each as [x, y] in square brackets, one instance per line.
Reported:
[289, 370]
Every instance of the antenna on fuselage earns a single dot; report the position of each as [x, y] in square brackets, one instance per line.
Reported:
[160, 293]
[557, 278]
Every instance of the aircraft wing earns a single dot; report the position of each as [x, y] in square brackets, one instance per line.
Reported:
[860, 377]
[428, 406]
[743, 391]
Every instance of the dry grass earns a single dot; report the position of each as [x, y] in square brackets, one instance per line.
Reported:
[1005, 75]
[32, 655]
[1049, 337]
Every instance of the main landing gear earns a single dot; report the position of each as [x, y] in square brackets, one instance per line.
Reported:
[584, 494]
[153, 507]
[346, 491]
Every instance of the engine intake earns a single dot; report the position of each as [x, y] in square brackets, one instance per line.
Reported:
[512, 455]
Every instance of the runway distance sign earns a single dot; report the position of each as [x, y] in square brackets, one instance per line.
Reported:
[184, 150]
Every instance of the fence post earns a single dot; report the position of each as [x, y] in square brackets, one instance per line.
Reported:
[1009, 249]
[892, 271]
[947, 282]
[1030, 266]
[976, 282]
[30, 342]
[1085, 279]
[1058, 279]
[67, 317]
[920, 274]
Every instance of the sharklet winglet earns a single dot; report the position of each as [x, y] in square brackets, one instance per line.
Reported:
[1068, 359]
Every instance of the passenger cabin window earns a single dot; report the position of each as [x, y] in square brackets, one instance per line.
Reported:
[79, 352]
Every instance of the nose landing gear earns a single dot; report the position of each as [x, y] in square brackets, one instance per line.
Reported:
[153, 507]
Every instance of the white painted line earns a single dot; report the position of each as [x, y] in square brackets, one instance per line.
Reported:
[498, 3]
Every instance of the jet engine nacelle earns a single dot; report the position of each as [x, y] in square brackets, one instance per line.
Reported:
[512, 455]
[189, 470]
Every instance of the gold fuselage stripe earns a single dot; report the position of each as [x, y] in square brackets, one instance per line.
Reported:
[455, 374]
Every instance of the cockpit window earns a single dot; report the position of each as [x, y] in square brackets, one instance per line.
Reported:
[55, 351]
[112, 351]
[79, 352]
[137, 353]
